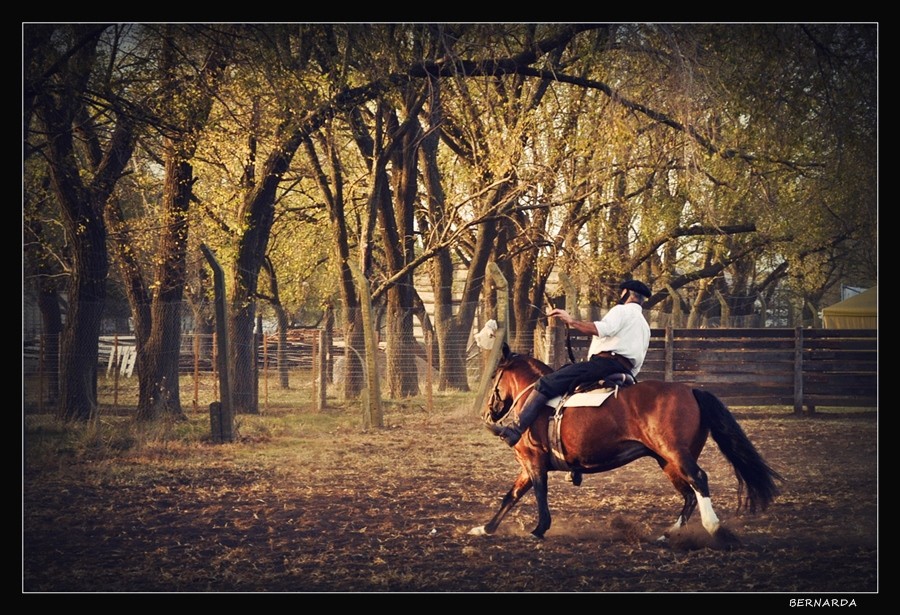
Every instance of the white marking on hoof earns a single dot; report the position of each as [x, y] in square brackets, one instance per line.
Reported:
[663, 540]
[675, 527]
[478, 531]
[708, 515]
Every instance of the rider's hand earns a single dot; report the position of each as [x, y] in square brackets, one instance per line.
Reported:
[561, 314]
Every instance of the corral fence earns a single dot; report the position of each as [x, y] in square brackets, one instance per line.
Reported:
[766, 367]
[744, 367]
[312, 369]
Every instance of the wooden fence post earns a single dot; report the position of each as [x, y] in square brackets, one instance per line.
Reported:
[798, 370]
[196, 347]
[429, 396]
[257, 338]
[222, 412]
[265, 362]
[677, 313]
[670, 353]
[115, 352]
[500, 335]
[561, 333]
[373, 416]
[725, 318]
[41, 376]
[319, 357]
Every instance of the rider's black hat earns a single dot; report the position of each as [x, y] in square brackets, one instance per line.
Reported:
[638, 287]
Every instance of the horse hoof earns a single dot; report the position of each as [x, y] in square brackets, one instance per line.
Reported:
[478, 531]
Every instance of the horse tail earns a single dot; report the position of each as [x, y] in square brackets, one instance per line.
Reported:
[750, 468]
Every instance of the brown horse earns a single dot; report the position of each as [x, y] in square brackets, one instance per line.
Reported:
[669, 422]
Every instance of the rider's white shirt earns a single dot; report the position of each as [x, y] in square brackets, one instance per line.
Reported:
[624, 331]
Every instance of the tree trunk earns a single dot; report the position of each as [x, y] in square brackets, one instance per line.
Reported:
[328, 341]
[79, 352]
[524, 279]
[258, 215]
[281, 363]
[51, 319]
[243, 354]
[453, 330]
[695, 317]
[81, 205]
[352, 380]
[202, 310]
[83, 219]
[397, 224]
[450, 335]
[159, 356]
[281, 356]
[401, 374]
[452, 340]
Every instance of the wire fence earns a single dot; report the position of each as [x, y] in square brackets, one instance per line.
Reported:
[287, 369]
[286, 364]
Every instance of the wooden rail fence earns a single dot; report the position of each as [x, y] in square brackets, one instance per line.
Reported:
[766, 367]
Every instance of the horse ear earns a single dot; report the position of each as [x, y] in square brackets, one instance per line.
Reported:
[505, 350]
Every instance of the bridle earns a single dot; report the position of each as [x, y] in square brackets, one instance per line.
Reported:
[499, 407]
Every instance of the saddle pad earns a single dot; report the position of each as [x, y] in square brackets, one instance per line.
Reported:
[591, 398]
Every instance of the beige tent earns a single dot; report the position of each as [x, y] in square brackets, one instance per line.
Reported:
[858, 312]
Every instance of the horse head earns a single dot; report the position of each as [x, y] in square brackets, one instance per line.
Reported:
[513, 374]
[500, 401]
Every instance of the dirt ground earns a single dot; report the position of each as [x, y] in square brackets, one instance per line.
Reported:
[389, 510]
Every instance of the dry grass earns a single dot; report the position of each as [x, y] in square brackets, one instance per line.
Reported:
[311, 502]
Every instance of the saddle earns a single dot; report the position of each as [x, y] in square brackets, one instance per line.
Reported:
[588, 394]
[592, 393]
[617, 380]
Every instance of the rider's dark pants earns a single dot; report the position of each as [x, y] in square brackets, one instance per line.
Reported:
[565, 379]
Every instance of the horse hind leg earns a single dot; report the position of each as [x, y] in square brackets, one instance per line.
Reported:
[690, 503]
[708, 516]
[691, 481]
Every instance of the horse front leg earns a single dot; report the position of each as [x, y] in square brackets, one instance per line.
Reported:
[520, 487]
[540, 493]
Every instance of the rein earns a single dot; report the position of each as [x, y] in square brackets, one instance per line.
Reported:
[569, 344]
[521, 393]
[515, 400]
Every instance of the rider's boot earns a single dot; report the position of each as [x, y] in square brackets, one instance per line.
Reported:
[530, 411]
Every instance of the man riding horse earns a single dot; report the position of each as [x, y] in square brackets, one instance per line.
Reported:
[619, 345]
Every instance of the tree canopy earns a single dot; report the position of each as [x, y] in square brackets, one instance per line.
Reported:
[729, 165]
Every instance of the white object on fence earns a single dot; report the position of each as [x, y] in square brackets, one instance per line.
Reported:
[111, 362]
[129, 358]
[122, 358]
[485, 337]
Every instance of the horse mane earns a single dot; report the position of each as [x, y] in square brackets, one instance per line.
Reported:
[514, 360]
